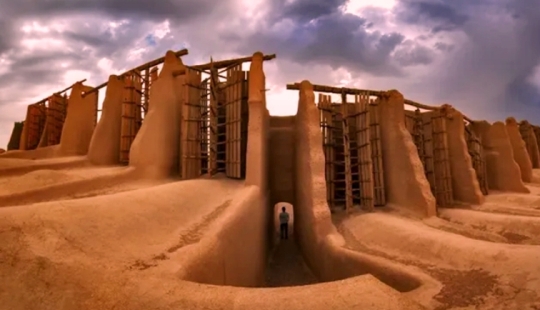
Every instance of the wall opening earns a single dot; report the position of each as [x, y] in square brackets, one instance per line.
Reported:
[277, 210]
[286, 265]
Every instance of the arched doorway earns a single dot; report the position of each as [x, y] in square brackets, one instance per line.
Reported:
[277, 210]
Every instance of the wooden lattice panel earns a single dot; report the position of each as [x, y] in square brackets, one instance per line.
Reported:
[376, 154]
[56, 115]
[347, 154]
[131, 114]
[233, 112]
[529, 137]
[15, 138]
[415, 125]
[364, 152]
[476, 151]
[204, 100]
[326, 120]
[191, 138]
[245, 122]
[443, 179]
[428, 161]
[35, 124]
[216, 129]
[536, 130]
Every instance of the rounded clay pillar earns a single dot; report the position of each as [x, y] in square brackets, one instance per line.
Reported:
[404, 178]
[464, 180]
[521, 156]
[105, 144]
[80, 121]
[154, 152]
[256, 170]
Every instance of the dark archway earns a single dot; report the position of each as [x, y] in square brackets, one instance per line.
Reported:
[277, 210]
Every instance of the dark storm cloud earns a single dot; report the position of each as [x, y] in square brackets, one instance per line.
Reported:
[6, 36]
[411, 53]
[490, 51]
[88, 38]
[320, 33]
[444, 47]
[149, 10]
[304, 11]
[440, 15]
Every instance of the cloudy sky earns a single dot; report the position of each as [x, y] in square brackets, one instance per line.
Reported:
[481, 56]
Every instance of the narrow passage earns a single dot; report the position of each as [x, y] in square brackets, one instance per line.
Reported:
[286, 266]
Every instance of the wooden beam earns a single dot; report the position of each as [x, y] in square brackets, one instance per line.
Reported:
[355, 91]
[227, 63]
[144, 66]
[69, 87]
[338, 90]
[59, 92]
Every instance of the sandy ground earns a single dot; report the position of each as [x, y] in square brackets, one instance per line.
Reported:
[42, 178]
[62, 246]
[475, 274]
[504, 217]
[286, 266]
[10, 163]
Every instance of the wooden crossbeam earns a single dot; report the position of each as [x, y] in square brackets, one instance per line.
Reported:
[356, 91]
[144, 66]
[227, 63]
[59, 92]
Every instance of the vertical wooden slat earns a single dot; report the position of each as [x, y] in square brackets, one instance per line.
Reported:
[326, 123]
[128, 120]
[190, 166]
[245, 121]
[364, 152]
[475, 148]
[346, 154]
[376, 154]
[147, 81]
[443, 190]
[57, 115]
[213, 110]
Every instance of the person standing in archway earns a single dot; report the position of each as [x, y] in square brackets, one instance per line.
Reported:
[284, 223]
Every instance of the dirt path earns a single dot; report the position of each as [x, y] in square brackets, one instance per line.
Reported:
[286, 266]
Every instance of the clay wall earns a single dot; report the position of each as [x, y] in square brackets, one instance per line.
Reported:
[503, 173]
[464, 181]
[105, 143]
[234, 250]
[281, 160]
[155, 150]
[281, 154]
[259, 118]
[519, 149]
[79, 124]
[405, 182]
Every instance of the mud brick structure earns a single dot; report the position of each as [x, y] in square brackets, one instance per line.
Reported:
[460, 159]
[528, 135]
[196, 170]
[201, 128]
